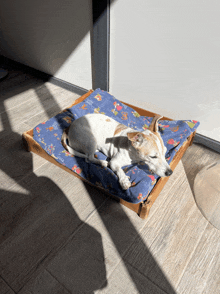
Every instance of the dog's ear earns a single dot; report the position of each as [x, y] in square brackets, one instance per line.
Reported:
[136, 138]
[154, 124]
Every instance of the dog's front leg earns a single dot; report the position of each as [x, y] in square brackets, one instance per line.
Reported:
[116, 166]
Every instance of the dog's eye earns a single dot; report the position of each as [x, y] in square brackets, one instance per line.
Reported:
[153, 156]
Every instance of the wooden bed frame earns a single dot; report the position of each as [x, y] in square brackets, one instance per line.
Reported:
[143, 208]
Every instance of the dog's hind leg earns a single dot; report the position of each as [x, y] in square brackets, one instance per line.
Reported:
[87, 151]
[89, 156]
[89, 148]
[92, 158]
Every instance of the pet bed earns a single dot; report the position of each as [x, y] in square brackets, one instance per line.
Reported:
[45, 140]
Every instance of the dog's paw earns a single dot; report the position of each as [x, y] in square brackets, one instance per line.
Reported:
[125, 183]
[104, 163]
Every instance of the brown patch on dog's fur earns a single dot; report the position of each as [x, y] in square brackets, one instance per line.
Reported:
[154, 128]
[145, 148]
[133, 136]
[64, 137]
[108, 120]
[154, 124]
[119, 128]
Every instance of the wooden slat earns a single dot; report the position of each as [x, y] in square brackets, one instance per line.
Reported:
[144, 112]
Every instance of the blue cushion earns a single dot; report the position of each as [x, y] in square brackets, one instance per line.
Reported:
[174, 133]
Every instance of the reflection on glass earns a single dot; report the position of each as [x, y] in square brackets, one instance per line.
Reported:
[207, 193]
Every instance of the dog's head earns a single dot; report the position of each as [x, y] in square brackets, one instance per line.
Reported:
[150, 148]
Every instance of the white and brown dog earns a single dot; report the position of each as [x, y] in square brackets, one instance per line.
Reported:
[123, 145]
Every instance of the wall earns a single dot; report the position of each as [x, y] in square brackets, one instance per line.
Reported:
[49, 35]
[164, 56]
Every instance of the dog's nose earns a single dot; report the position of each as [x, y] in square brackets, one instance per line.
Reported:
[168, 172]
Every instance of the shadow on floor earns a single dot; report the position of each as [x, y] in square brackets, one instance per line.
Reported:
[37, 219]
[35, 224]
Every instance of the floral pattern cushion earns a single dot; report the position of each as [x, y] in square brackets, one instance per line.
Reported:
[174, 133]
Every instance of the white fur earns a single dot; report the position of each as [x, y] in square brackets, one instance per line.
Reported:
[94, 132]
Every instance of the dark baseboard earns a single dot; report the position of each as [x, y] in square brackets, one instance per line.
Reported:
[65, 85]
[7, 63]
[208, 142]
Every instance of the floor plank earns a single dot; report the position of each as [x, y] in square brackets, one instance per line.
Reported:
[80, 265]
[67, 99]
[121, 282]
[4, 288]
[120, 228]
[36, 224]
[15, 90]
[44, 283]
[202, 273]
[17, 164]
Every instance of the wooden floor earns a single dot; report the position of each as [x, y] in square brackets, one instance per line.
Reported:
[59, 235]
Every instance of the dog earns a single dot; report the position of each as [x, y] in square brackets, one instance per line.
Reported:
[123, 145]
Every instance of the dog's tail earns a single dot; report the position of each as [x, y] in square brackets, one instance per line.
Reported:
[67, 147]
